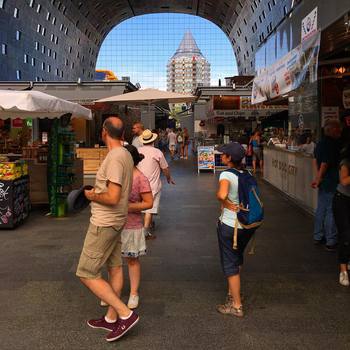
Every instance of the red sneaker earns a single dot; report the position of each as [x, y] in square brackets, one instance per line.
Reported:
[122, 327]
[102, 324]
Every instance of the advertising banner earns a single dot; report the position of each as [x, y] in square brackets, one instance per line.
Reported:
[288, 73]
[309, 25]
[206, 158]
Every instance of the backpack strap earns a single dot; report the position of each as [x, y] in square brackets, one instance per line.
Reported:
[235, 234]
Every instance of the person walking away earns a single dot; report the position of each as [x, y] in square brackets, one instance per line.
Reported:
[180, 143]
[326, 165]
[172, 143]
[164, 141]
[133, 238]
[137, 130]
[233, 234]
[186, 142]
[102, 245]
[341, 210]
[255, 141]
[151, 166]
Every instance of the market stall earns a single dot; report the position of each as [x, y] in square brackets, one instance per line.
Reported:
[47, 166]
[292, 173]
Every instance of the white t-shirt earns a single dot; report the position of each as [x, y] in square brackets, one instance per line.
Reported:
[136, 142]
[228, 217]
[172, 138]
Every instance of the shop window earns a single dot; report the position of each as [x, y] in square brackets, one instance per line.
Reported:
[3, 49]
[31, 3]
[18, 74]
[48, 16]
[2, 4]
[16, 12]
[38, 9]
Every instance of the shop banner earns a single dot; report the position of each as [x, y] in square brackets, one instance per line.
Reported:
[206, 158]
[309, 25]
[288, 73]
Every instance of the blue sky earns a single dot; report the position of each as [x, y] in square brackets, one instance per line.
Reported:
[141, 47]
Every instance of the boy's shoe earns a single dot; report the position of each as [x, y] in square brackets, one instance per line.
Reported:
[133, 302]
[123, 326]
[229, 309]
[344, 279]
[101, 323]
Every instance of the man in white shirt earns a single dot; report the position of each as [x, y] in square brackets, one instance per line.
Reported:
[151, 166]
[172, 143]
[137, 130]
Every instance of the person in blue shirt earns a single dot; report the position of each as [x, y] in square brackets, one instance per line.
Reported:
[326, 165]
[231, 259]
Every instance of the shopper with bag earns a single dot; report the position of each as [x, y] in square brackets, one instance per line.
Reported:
[242, 213]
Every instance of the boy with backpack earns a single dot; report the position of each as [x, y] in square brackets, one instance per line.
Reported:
[242, 213]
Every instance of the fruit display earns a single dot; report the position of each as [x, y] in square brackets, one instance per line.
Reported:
[13, 170]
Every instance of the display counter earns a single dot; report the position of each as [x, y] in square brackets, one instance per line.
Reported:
[92, 158]
[292, 173]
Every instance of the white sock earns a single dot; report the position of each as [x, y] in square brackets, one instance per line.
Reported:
[108, 320]
[125, 318]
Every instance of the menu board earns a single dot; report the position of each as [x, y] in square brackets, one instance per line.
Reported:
[14, 202]
[206, 158]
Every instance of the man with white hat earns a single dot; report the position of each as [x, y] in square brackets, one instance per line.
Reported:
[151, 166]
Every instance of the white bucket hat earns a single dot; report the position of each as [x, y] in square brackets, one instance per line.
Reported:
[147, 137]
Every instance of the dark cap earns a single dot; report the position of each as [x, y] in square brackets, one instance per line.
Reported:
[234, 150]
[76, 200]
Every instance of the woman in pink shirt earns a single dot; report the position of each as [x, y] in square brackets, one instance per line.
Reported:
[133, 238]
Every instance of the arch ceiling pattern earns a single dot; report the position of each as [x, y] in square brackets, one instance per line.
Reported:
[247, 23]
[61, 38]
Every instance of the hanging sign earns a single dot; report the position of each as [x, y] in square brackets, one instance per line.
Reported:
[206, 158]
[289, 72]
[17, 123]
[309, 25]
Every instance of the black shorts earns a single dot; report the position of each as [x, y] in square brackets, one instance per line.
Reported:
[232, 259]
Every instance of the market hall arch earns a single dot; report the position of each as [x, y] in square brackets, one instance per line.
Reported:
[62, 40]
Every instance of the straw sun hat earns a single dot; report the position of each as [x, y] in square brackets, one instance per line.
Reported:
[147, 137]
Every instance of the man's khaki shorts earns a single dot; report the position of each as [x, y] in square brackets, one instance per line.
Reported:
[102, 245]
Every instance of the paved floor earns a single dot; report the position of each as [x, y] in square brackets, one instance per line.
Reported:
[293, 300]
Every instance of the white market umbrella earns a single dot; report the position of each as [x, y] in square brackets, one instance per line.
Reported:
[149, 96]
[35, 104]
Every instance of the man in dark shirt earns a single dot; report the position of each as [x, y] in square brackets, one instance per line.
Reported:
[326, 164]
